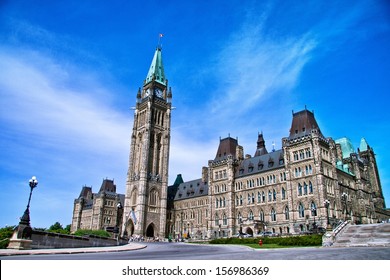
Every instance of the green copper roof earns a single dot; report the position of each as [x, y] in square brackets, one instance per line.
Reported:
[156, 70]
[346, 146]
[363, 145]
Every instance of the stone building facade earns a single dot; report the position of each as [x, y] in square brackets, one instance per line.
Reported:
[311, 181]
[97, 211]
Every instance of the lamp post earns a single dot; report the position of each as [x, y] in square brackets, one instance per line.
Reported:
[344, 197]
[25, 219]
[313, 213]
[326, 204]
[119, 208]
[21, 238]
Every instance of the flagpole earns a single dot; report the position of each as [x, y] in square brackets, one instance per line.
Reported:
[159, 45]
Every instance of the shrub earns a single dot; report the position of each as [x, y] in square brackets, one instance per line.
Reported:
[307, 240]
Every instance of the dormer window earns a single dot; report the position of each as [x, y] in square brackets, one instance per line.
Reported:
[241, 171]
[250, 169]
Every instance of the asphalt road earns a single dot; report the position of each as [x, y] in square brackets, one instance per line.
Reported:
[182, 251]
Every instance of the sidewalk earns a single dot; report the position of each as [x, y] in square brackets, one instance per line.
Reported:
[127, 247]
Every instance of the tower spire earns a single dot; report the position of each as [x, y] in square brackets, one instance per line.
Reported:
[156, 70]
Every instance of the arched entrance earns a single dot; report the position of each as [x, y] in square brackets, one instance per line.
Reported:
[249, 231]
[150, 231]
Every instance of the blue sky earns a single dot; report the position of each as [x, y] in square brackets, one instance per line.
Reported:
[70, 71]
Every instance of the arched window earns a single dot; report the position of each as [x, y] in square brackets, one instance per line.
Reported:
[269, 196]
[239, 217]
[313, 208]
[273, 215]
[305, 188]
[286, 213]
[250, 217]
[299, 189]
[258, 197]
[216, 220]
[224, 219]
[274, 195]
[301, 210]
[263, 195]
[240, 199]
[153, 198]
[283, 193]
[253, 198]
[261, 215]
[310, 187]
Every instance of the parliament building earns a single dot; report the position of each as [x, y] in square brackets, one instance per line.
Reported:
[312, 182]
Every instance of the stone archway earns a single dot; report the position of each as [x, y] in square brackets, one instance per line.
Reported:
[249, 231]
[150, 230]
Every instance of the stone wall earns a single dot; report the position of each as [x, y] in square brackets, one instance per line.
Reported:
[46, 240]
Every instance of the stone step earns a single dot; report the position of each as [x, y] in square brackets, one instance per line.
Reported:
[364, 235]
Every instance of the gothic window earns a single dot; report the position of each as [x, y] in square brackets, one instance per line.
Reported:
[253, 198]
[263, 196]
[249, 198]
[261, 215]
[305, 188]
[224, 202]
[216, 220]
[258, 197]
[299, 189]
[283, 194]
[240, 199]
[269, 196]
[237, 200]
[273, 215]
[250, 217]
[224, 218]
[153, 198]
[308, 153]
[301, 211]
[239, 217]
[274, 195]
[313, 208]
[310, 187]
[286, 213]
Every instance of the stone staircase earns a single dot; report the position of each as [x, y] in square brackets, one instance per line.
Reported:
[364, 236]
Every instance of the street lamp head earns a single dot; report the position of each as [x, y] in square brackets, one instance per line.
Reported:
[33, 182]
[119, 205]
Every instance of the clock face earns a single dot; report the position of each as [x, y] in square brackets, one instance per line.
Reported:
[158, 92]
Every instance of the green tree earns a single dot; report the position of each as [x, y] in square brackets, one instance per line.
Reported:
[56, 227]
[5, 235]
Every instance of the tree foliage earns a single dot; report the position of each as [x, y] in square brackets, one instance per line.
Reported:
[5, 235]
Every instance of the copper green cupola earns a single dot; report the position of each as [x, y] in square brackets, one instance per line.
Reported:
[156, 70]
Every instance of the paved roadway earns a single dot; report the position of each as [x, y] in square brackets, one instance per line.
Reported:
[183, 251]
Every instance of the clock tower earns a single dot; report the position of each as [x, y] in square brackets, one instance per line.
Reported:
[145, 208]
